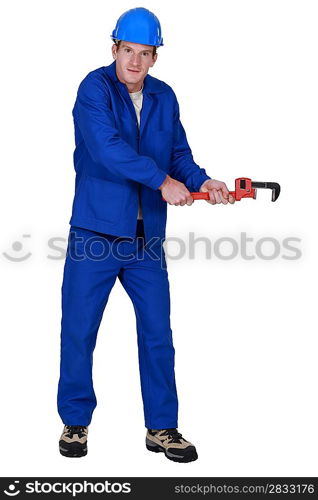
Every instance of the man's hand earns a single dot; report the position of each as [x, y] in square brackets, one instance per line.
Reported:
[175, 192]
[218, 192]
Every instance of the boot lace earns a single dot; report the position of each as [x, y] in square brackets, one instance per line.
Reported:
[173, 434]
[75, 429]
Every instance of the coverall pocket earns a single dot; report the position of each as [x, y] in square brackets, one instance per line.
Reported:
[102, 199]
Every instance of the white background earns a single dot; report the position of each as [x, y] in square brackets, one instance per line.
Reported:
[245, 74]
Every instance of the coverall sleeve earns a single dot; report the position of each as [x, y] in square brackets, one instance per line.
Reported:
[97, 125]
[183, 167]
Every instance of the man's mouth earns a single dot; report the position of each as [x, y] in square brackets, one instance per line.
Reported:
[133, 70]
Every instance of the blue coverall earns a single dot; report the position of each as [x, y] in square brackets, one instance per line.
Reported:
[113, 161]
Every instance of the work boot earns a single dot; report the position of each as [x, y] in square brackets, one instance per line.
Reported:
[171, 442]
[73, 441]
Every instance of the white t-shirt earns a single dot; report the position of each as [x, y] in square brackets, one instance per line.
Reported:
[136, 98]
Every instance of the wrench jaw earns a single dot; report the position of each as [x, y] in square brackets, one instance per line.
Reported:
[255, 194]
[275, 190]
[274, 186]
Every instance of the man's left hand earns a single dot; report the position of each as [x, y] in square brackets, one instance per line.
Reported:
[218, 192]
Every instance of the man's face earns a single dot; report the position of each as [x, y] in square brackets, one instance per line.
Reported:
[133, 61]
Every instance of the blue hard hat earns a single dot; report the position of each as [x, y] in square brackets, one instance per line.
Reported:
[138, 25]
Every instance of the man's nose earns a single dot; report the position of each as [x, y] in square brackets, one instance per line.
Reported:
[135, 59]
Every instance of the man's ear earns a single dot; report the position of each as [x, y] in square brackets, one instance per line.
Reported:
[154, 59]
[114, 51]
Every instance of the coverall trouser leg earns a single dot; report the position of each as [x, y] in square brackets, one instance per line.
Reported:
[93, 262]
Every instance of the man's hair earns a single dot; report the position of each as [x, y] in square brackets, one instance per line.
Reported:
[118, 42]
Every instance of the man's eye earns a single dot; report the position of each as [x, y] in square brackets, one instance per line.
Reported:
[127, 50]
[146, 53]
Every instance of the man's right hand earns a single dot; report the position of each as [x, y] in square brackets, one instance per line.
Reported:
[175, 192]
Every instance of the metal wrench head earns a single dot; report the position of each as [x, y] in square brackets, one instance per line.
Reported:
[274, 186]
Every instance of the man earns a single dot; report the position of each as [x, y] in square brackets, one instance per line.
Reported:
[131, 159]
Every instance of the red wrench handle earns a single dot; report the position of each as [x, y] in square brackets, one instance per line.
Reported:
[205, 196]
[200, 196]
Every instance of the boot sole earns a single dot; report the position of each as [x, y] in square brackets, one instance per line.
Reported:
[190, 456]
[72, 451]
